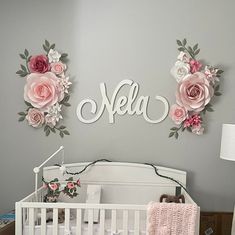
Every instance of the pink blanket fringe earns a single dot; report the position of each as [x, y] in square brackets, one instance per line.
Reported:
[171, 218]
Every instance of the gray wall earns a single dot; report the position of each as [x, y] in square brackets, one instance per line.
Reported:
[108, 41]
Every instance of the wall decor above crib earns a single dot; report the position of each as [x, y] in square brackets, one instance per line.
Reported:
[197, 85]
[130, 104]
[46, 91]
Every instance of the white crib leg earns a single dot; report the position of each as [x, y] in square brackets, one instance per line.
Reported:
[18, 228]
[90, 222]
[31, 221]
[43, 221]
[137, 223]
[102, 221]
[79, 222]
[55, 221]
[125, 222]
[67, 220]
[114, 221]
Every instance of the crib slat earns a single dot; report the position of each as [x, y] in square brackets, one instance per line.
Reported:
[79, 222]
[125, 222]
[55, 221]
[31, 221]
[114, 221]
[90, 221]
[67, 220]
[43, 221]
[137, 223]
[102, 220]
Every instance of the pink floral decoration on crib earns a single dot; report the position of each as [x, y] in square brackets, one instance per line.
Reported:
[197, 84]
[55, 188]
[46, 91]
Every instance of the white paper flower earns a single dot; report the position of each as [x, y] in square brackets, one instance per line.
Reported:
[53, 115]
[211, 74]
[53, 56]
[64, 84]
[180, 70]
[183, 57]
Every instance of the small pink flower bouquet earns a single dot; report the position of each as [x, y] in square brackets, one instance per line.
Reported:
[55, 188]
[46, 90]
[197, 84]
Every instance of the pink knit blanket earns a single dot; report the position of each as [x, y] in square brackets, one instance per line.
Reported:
[171, 218]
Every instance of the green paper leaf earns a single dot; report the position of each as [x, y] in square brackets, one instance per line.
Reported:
[196, 52]
[19, 72]
[64, 55]
[184, 42]
[66, 98]
[190, 49]
[171, 134]
[174, 129]
[209, 109]
[217, 88]
[181, 49]
[22, 114]
[22, 56]
[220, 71]
[176, 135]
[47, 43]
[62, 127]
[23, 68]
[45, 48]
[21, 119]
[66, 132]
[46, 127]
[61, 134]
[27, 103]
[195, 47]
[217, 93]
[53, 130]
[26, 53]
[67, 104]
[52, 46]
[179, 42]
[47, 132]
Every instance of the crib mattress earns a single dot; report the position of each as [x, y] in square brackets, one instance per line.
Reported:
[96, 228]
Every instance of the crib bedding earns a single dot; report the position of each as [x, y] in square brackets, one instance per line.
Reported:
[96, 228]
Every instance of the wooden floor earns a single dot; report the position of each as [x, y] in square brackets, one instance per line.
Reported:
[216, 223]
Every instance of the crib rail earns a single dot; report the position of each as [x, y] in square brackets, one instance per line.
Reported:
[124, 219]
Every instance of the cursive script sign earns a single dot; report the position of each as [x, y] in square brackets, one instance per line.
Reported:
[122, 105]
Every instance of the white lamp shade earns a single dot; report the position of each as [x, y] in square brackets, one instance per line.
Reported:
[227, 150]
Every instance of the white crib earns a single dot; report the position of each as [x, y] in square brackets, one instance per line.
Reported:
[127, 188]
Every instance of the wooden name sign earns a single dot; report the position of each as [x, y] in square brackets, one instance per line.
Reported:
[124, 104]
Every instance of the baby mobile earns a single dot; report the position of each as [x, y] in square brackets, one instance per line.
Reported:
[46, 91]
[197, 84]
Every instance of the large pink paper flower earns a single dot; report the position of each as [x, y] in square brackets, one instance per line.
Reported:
[39, 64]
[35, 117]
[41, 90]
[194, 92]
[178, 114]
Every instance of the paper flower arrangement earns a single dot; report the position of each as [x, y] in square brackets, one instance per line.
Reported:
[55, 188]
[197, 84]
[46, 91]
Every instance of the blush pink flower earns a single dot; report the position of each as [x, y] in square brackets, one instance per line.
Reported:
[41, 90]
[35, 117]
[195, 66]
[58, 68]
[39, 64]
[70, 185]
[194, 92]
[178, 114]
[53, 186]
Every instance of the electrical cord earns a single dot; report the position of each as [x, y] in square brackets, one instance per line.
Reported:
[106, 160]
